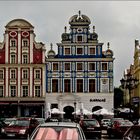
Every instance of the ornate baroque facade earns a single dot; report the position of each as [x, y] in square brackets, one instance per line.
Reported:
[81, 72]
[22, 71]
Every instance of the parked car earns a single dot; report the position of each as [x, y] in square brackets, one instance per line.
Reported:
[133, 133]
[91, 128]
[105, 123]
[119, 128]
[40, 120]
[20, 128]
[9, 120]
[58, 131]
[2, 125]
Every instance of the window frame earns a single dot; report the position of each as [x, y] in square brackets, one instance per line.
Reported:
[37, 74]
[77, 66]
[13, 74]
[13, 42]
[37, 91]
[1, 91]
[69, 51]
[106, 66]
[25, 74]
[1, 74]
[25, 92]
[53, 64]
[13, 90]
[12, 58]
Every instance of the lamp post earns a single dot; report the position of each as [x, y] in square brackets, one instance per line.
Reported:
[75, 110]
[129, 82]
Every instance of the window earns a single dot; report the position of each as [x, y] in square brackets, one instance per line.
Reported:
[25, 91]
[13, 74]
[91, 66]
[92, 51]
[67, 85]
[37, 91]
[1, 91]
[25, 43]
[79, 66]
[13, 58]
[25, 58]
[104, 66]
[55, 66]
[13, 43]
[79, 85]
[25, 74]
[91, 85]
[37, 74]
[79, 51]
[79, 38]
[55, 85]
[13, 91]
[67, 51]
[1, 74]
[67, 66]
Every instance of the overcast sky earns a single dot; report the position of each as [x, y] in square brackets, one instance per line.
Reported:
[117, 22]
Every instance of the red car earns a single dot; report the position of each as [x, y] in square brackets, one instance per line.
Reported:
[20, 128]
[118, 128]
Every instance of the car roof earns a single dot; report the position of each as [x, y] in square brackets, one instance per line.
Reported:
[65, 124]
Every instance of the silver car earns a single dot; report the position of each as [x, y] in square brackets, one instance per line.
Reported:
[58, 131]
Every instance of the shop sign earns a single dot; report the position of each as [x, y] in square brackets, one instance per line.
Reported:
[97, 100]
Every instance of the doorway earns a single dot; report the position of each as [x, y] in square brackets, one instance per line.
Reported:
[68, 112]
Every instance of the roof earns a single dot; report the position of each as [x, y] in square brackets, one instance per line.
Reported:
[22, 23]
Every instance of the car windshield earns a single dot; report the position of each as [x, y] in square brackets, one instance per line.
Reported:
[125, 123]
[57, 133]
[19, 123]
[90, 122]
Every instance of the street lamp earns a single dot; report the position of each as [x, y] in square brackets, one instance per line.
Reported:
[129, 82]
[75, 110]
